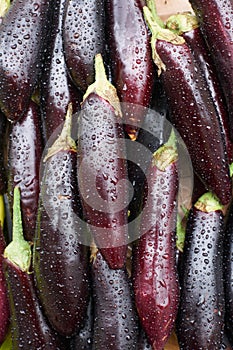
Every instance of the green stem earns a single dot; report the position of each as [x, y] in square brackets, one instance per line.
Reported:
[208, 202]
[64, 141]
[19, 250]
[182, 22]
[4, 7]
[102, 86]
[166, 154]
[159, 33]
[152, 7]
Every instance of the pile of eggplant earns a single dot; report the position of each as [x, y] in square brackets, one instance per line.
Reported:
[97, 252]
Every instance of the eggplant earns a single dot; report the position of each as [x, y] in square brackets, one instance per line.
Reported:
[4, 134]
[200, 319]
[25, 149]
[115, 315]
[60, 260]
[215, 19]
[191, 108]
[56, 88]
[186, 24]
[102, 155]
[154, 270]
[131, 67]
[83, 38]
[29, 327]
[21, 50]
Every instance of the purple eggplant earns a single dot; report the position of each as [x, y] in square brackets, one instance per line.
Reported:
[200, 320]
[115, 315]
[29, 327]
[215, 19]
[131, 67]
[4, 135]
[102, 155]
[154, 270]
[83, 37]
[60, 261]
[186, 24]
[191, 108]
[56, 89]
[21, 49]
[25, 149]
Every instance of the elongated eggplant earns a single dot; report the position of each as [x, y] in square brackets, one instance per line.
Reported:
[4, 134]
[186, 24]
[21, 49]
[102, 155]
[200, 320]
[216, 18]
[191, 108]
[115, 315]
[132, 70]
[28, 325]
[24, 155]
[56, 89]
[83, 37]
[154, 271]
[60, 261]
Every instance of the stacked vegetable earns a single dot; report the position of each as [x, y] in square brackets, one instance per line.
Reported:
[82, 83]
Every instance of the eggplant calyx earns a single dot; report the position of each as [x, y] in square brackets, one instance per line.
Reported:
[94, 251]
[64, 142]
[102, 86]
[159, 33]
[18, 250]
[208, 203]
[231, 169]
[152, 7]
[182, 22]
[166, 154]
[4, 7]
[2, 211]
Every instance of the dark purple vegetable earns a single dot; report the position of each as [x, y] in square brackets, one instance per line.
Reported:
[115, 315]
[102, 155]
[29, 327]
[191, 109]
[215, 19]
[24, 155]
[56, 89]
[22, 36]
[4, 134]
[186, 24]
[84, 37]
[154, 270]
[131, 67]
[60, 261]
[200, 320]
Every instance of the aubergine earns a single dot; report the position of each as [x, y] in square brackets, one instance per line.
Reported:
[21, 52]
[200, 321]
[60, 260]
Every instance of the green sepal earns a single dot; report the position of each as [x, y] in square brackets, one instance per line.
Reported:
[208, 203]
[166, 154]
[182, 22]
[4, 7]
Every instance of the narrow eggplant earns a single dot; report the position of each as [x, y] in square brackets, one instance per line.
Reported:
[21, 51]
[60, 261]
[215, 19]
[102, 155]
[25, 149]
[191, 108]
[154, 270]
[131, 67]
[28, 325]
[56, 89]
[200, 320]
[83, 37]
[186, 24]
[115, 315]
[4, 134]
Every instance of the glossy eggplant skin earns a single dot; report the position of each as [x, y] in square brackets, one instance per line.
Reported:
[60, 261]
[25, 149]
[56, 88]
[29, 327]
[115, 315]
[215, 19]
[4, 134]
[154, 270]
[192, 112]
[131, 67]
[200, 320]
[83, 37]
[21, 50]
[104, 193]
